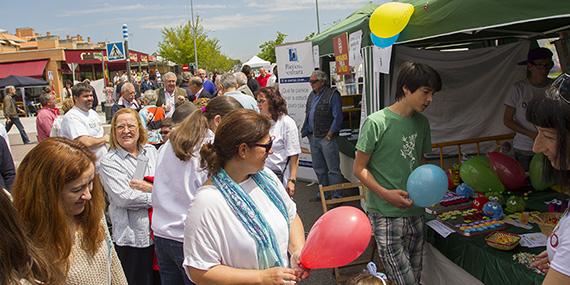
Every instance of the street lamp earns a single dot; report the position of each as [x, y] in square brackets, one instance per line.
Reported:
[194, 32]
[318, 25]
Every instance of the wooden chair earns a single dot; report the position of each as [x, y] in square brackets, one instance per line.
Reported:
[329, 203]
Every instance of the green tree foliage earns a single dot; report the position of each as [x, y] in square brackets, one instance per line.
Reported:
[268, 48]
[178, 46]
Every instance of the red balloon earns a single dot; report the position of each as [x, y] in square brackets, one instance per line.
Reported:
[509, 170]
[337, 238]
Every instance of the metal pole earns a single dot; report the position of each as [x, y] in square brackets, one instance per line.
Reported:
[318, 25]
[194, 32]
[126, 38]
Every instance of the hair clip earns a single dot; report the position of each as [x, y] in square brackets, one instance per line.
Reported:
[203, 109]
[373, 270]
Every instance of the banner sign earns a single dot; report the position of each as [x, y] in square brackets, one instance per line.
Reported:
[340, 46]
[295, 65]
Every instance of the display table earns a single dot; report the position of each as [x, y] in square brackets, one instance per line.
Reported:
[487, 264]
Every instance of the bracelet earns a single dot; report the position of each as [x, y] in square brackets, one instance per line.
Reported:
[293, 180]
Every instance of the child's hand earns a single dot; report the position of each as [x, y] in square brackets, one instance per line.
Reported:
[398, 198]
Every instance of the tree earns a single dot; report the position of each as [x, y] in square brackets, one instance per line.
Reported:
[178, 46]
[310, 36]
[268, 48]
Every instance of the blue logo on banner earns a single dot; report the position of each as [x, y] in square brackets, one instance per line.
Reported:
[293, 54]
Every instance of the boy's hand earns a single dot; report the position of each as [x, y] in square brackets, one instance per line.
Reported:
[398, 198]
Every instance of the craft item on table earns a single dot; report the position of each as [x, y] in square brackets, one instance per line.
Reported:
[496, 196]
[527, 259]
[556, 205]
[519, 220]
[479, 227]
[533, 240]
[479, 202]
[515, 204]
[503, 240]
[464, 190]
[451, 198]
[453, 176]
[467, 216]
[547, 222]
[493, 209]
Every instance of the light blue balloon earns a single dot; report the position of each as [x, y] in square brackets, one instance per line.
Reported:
[383, 42]
[427, 185]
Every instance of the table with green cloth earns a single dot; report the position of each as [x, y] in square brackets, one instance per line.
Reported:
[493, 266]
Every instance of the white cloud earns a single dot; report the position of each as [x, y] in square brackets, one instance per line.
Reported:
[109, 8]
[236, 21]
[296, 5]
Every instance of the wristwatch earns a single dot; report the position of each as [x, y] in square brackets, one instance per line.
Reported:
[293, 180]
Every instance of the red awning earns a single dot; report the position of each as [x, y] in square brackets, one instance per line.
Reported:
[33, 68]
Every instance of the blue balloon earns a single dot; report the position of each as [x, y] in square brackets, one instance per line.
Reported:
[427, 185]
[383, 42]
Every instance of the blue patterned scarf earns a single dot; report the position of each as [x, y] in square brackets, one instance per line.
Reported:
[268, 253]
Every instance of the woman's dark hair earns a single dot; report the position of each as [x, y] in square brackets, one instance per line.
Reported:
[192, 131]
[238, 127]
[277, 105]
[414, 75]
[553, 111]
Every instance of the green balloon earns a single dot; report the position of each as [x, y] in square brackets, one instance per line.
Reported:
[477, 173]
[535, 172]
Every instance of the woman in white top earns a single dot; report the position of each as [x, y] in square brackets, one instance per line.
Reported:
[178, 176]
[122, 172]
[60, 200]
[284, 159]
[242, 223]
[551, 115]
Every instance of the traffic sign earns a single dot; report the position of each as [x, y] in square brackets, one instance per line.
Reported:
[115, 51]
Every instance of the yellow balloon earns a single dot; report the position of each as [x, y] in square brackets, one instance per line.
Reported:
[390, 18]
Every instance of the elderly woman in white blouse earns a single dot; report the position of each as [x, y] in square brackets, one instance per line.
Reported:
[122, 172]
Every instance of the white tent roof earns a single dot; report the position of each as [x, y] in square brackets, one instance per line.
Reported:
[255, 62]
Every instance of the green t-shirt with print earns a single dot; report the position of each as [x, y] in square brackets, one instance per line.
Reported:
[396, 146]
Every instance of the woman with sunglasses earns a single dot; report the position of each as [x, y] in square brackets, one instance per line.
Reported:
[284, 159]
[177, 178]
[242, 222]
[538, 64]
[551, 115]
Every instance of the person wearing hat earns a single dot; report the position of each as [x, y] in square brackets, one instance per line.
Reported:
[538, 64]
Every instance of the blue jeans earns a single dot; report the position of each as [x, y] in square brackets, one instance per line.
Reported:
[170, 255]
[16, 121]
[326, 160]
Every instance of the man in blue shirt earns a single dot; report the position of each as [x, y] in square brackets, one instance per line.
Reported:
[323, 120]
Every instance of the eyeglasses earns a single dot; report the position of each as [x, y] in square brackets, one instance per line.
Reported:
[122, 128]
[313, 81]
[267, 146]
[560, 88]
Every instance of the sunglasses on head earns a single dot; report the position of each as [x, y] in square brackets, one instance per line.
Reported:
[267, 146]
[560, 88]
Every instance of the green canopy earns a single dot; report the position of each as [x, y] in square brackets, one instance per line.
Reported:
[437, 22]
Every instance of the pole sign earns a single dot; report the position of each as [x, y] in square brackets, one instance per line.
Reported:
[115, 51]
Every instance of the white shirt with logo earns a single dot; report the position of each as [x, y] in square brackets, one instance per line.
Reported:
[558, 246]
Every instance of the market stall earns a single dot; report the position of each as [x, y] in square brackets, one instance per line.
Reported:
[475, 45]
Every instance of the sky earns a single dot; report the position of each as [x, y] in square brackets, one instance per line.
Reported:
[240, 26]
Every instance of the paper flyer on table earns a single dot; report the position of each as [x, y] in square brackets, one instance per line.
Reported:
[440, 228]
[533, 240]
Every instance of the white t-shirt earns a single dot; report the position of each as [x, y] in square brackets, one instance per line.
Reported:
[214, 235]
[558, 246]
[77, 123]
[285, 143]
[521, 94]
[175, 185]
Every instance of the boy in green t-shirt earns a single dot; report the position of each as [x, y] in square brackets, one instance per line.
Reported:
[391, 145]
